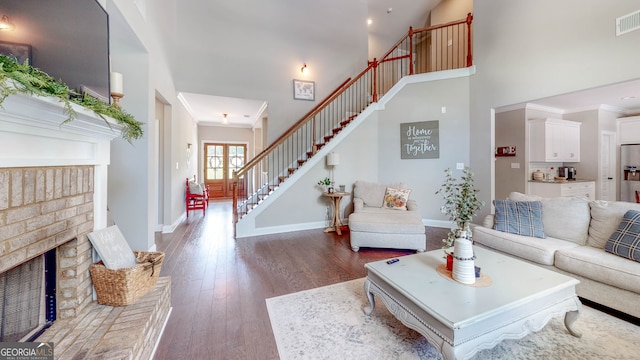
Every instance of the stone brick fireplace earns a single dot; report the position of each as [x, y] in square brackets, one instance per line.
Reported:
[44, 208]
[53, 189]
[53, 192]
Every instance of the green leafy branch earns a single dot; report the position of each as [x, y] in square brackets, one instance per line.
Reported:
[461, 200]
[32, 81]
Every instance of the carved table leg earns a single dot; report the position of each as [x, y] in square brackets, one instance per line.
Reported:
[448, 352]
[569, 318]
[369, 309]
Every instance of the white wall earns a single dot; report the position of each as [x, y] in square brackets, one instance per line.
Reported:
[526, 50]
[253, 51]
[510, 131]
[372, 153]
[137, 53]
[424, 102]
[451, 10]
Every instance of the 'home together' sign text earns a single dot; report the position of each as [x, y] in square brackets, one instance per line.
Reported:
[420, 140]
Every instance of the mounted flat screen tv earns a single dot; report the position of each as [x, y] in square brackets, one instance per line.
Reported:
[67, 39]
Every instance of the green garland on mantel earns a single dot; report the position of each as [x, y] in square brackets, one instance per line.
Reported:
[33, 81]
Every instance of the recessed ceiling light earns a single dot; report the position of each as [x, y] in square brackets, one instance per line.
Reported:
[369, 21]
[627, 97]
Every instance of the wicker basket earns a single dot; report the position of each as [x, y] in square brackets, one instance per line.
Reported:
[123, 286]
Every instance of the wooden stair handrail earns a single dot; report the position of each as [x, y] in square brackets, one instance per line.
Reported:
[412, 31]
[346, 85]
[286, 134]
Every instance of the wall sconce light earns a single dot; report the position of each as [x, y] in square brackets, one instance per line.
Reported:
[304, 69]
[333, 159]
[117, 88]
[224, 119]
[6, 24]
[188, 154]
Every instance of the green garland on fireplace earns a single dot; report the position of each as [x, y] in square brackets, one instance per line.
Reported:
[24, 78]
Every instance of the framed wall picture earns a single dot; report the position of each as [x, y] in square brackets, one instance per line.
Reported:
[420, 140]
[304, 90]
[21, 52]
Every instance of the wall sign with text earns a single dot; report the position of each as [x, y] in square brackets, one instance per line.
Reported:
[420, 140]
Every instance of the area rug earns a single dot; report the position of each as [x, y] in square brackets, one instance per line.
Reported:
[328, 323]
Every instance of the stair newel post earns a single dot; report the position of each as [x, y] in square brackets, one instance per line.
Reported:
[235, 201]
[410, 50]
[374, 66]
[469, 54]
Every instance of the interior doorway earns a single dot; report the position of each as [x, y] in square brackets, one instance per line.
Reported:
[220, 161]
[607, 174]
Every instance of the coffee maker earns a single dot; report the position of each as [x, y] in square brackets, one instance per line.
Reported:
[567, 172]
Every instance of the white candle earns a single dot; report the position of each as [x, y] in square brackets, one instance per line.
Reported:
[116, 83]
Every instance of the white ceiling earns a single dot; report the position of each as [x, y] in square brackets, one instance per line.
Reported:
[621, 97]
[391, 17]
[208, 110]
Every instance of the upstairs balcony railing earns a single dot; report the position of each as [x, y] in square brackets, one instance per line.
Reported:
[435, 48]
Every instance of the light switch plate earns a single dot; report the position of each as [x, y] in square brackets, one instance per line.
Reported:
[460, 166]
[515, 165]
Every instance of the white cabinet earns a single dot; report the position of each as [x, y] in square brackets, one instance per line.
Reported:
[554, 140]
[629, 130]
[552, 189]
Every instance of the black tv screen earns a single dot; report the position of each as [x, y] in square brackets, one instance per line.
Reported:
[67, 39]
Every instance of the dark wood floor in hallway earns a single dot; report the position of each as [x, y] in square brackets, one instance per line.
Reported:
[219, 284]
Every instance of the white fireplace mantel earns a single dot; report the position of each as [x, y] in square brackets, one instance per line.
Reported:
[33, 133]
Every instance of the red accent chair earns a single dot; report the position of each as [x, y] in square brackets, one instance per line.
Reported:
[197, 197]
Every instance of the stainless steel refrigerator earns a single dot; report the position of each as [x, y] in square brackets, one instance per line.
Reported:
[630, 172]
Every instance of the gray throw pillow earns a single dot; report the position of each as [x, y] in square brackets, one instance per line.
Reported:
[519, 217]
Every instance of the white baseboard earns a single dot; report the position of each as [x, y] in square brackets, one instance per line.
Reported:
[269, 230]
[168, 229]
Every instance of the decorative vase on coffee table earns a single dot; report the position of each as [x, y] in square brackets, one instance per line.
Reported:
[463, 264]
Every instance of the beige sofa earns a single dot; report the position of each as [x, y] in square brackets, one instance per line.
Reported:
[576, 231]
[372, 225]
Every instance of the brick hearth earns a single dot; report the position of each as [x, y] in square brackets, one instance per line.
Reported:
[106, 332]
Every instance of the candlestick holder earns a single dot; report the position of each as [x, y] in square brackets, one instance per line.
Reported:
[116, 99]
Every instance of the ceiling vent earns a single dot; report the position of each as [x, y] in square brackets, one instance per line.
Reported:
[627, 23]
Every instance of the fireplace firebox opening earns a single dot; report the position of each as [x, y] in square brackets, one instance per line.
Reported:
[28, 298]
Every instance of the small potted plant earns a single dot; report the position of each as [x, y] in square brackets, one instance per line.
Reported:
[324, 184]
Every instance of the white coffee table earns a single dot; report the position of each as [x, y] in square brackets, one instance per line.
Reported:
[460, 320]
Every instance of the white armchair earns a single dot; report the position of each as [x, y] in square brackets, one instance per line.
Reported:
[384, 219]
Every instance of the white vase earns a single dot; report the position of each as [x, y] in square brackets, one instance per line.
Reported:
[463, 263]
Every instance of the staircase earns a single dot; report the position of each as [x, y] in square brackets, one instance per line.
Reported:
[419, 51]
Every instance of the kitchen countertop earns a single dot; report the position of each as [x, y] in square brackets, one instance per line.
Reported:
[561, 181]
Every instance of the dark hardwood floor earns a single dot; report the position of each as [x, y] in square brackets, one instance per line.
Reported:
[219, 284]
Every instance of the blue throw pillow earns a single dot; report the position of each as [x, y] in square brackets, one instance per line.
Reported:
[519, 217]
[625, 241]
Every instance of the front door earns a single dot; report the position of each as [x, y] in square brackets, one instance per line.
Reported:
[221, 160]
